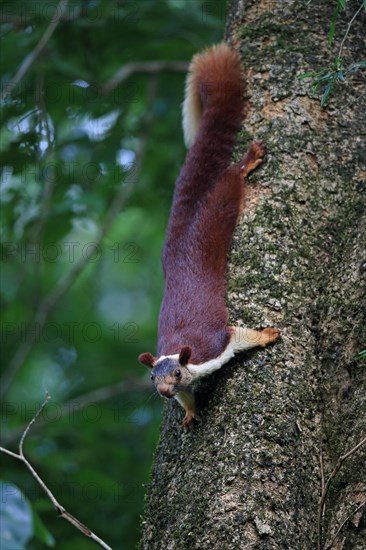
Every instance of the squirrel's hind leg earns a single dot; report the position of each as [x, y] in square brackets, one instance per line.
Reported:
[253, 158]
[187, 400]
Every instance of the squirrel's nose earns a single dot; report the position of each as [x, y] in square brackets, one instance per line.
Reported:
[165, 390]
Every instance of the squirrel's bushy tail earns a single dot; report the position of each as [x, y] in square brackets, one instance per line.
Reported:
[214, 85]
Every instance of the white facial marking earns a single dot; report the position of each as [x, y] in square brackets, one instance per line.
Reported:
[162, 357]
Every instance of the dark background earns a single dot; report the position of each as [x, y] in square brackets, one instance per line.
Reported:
[78, 309]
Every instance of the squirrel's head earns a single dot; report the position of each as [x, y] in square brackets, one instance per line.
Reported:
[169, 372]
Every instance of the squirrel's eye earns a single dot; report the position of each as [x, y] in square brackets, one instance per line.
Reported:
[152, 376]
[178, 373]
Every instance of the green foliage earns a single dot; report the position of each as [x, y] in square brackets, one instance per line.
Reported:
[340, 4]
[40, 530]
[362, 355]
[326, 79]
[67, 148]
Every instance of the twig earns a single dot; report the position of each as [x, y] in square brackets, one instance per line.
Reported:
[82, 401]
[42, 111]
[142, 67]
[322, 470]
[347, 31]
[49, 179]
[59, 509]
[334, 472]
[26, 431]
[101, 394]
[25, 20]
[329, 546]
[30, 59]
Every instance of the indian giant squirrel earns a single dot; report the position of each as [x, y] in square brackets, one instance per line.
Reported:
[194, 339]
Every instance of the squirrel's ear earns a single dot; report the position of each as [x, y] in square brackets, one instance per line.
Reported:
[147, 359]
[184, 355]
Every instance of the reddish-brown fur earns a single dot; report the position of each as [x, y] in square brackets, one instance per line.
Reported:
[205, 208]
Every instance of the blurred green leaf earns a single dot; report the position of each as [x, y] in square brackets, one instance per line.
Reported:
[333, 23]
[312, 75]
[40, 530]
[16, 518]
[326, 93]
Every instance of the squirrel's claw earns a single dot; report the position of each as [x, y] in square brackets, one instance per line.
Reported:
[270, 335]
[190, 420]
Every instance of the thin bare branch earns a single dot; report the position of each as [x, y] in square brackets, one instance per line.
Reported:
[24, 20]
[49, 181]
[142, 67]
[59, 509]
[330, 545]
[10, 453]
[30, 59]
[322, 471]
[82, 401]
[348, 29]
[26, 431]
[333, 473]
[102, 394]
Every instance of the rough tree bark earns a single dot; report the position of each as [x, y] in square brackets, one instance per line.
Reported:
[250, 475]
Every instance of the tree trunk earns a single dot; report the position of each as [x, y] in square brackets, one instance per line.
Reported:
[250, 475]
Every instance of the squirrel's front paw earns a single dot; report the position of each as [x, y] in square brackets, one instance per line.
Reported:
[190, 420]
[269, 335]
